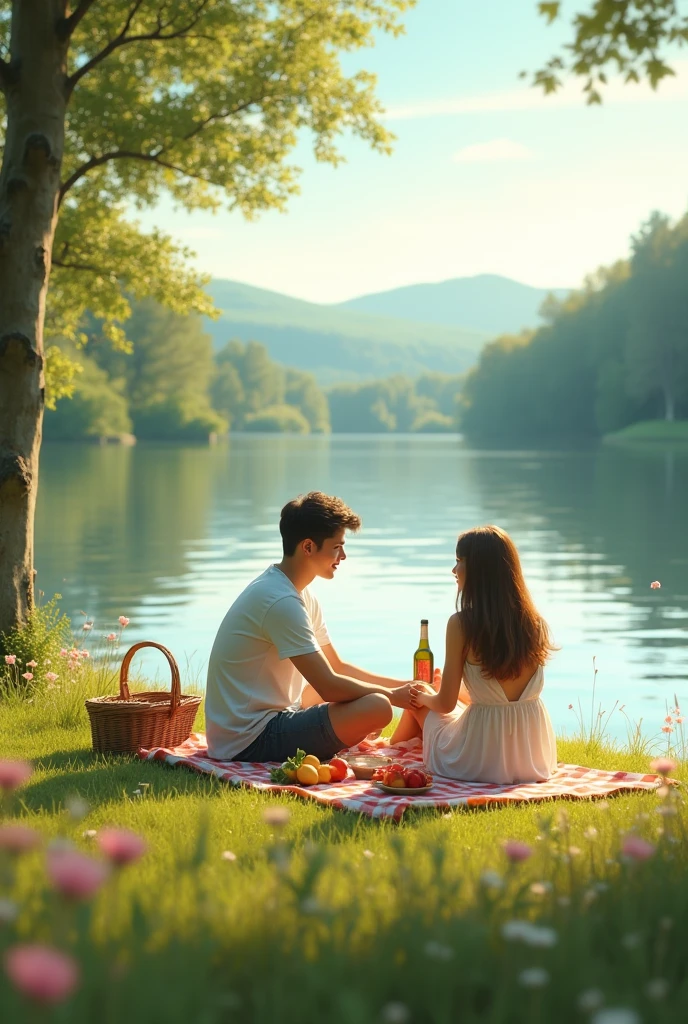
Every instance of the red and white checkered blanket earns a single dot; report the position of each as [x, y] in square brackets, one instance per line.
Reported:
[570, 782]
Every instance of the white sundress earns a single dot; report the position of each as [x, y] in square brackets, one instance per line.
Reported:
[492, 739]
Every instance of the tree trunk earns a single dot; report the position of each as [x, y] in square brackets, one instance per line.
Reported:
[35, 86]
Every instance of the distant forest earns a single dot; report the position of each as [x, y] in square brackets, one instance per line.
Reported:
[610, 355]
[171, 386]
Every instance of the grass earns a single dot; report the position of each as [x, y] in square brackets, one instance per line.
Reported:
[338, 917]
[651, 431]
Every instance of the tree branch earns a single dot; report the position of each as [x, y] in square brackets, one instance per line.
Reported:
[66, 26]
[159, 34]
[78, 266]
[122, 154]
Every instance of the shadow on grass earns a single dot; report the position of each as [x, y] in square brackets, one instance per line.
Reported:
[103, 778]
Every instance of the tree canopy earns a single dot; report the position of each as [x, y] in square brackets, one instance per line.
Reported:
[202, 100]
[636, 39]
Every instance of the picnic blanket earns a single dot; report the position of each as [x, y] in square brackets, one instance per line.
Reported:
[570, 782]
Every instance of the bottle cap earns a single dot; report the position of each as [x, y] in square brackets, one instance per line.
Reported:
[423, 622]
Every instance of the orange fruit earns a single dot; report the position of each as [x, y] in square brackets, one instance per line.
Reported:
[307, 775]
[398, 784]
[311, 759]
[324, 773]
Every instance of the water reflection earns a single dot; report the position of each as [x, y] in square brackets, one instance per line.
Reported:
[169, 535]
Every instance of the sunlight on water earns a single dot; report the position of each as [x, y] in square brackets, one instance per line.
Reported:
[169, 536]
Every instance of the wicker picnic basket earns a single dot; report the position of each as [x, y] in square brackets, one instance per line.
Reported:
[124, 723]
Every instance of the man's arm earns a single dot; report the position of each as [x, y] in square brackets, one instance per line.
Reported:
[331, 685]
[343, 668]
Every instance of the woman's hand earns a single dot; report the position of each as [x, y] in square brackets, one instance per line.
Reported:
[420, 692]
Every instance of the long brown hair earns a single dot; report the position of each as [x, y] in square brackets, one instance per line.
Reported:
[501, 626]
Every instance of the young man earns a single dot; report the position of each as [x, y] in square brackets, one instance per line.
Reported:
[275, 682]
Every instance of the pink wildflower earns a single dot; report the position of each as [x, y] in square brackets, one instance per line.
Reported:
[84, 654]
[51, 676]
[637, 848]
[75, 875]
[10, 659]
[28, 676]
[570, 707]
[111, 637]
[32, 664]
[87, 626]
[123, 621]
[656, 585]
[663, 765]
[517, 851]
[18, 838]
[64, 653]
[14, 774]
[667, 728]
[679, 719]
[121, 845]
[43, 974]
[668, 719]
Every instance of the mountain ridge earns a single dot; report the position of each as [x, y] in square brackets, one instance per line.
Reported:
[376, 335]
[490, 303]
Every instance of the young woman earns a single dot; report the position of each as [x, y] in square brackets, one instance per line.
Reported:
[486, 722]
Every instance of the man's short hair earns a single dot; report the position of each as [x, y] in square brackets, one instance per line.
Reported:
[314, 516]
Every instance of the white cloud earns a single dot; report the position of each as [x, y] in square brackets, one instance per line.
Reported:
[494, 151]
[528, 98]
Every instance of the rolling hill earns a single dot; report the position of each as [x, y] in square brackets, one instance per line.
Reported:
[335, 343]
[486, 303]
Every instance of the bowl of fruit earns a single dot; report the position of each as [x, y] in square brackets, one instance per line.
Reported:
[306, 770]
[409, 780]
[364, 766]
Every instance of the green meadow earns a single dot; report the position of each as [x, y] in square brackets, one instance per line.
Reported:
[237, 914]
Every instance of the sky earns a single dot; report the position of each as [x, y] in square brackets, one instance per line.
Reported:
[487, 175]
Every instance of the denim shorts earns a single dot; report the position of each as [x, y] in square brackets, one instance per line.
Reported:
[310, 729]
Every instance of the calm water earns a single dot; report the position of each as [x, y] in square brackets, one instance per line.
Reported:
[169, 536]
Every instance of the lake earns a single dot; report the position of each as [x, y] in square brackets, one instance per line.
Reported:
[169, 536]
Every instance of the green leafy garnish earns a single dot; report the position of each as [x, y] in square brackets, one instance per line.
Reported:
[281, 775]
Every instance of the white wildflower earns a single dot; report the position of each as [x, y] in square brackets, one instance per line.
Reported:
[228, 855]
[529, 933]
[533, 977]
[491, 880]
[616, 1015]
[436, 951]
[589, 1000]
[311, 906]
[395, 1013]
[541, 888]
[9, 911]
[657, 988]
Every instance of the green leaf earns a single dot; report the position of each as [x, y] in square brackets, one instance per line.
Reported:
[549, 11]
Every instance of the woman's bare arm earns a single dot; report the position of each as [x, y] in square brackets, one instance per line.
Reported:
[445, 701]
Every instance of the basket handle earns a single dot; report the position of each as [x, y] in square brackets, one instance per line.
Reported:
[175, 695]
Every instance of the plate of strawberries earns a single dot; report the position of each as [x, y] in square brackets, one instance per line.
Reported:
[395, 778]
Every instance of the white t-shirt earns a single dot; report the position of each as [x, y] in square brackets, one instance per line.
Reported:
[250, 676]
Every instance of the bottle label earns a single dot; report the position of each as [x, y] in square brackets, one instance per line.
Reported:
[422, 671]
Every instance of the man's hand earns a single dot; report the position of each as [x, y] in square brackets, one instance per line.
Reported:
[400, 696]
